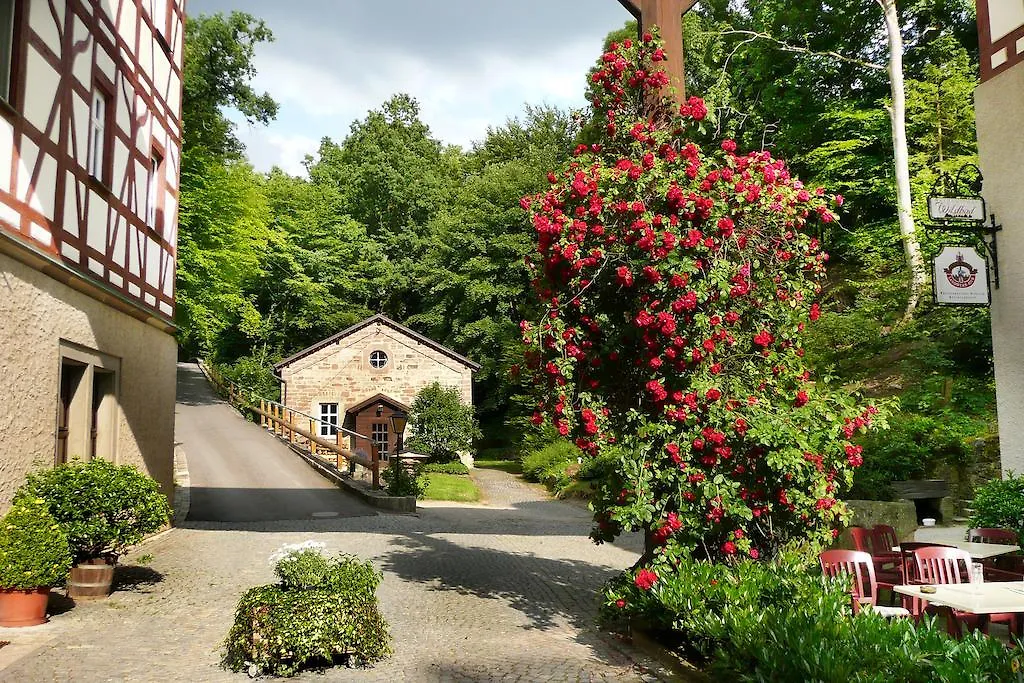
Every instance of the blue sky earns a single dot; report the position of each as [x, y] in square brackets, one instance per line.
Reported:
[470, 63]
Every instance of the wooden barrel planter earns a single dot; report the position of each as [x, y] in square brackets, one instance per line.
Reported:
[91, 579]
[23, 607]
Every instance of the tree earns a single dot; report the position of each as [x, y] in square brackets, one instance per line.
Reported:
[218, 71]
[441, 424]
[676, 284]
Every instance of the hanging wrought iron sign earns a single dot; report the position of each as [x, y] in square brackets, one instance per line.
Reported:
[956, 209]
[960, 277]
[960, 274]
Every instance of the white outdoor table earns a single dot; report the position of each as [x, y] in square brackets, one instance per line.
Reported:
[981, 599]
[977, 598]
[979, 551]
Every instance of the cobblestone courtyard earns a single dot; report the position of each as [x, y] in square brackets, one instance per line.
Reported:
[500, 591]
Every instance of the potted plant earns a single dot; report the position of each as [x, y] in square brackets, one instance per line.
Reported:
[34, 557]
[104, 508]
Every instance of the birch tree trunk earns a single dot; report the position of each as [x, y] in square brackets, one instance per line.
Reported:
[897, 117]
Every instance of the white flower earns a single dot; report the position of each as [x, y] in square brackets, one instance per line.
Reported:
[289, 549]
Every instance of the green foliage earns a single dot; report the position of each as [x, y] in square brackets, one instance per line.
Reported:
[999, 504]
[455, 467]
[777, 621]
[323, 609]
[219, 51]
[103, 507]
[34, 550]
[549, 464]
[404, 480]
[910, 449]
[441, 424]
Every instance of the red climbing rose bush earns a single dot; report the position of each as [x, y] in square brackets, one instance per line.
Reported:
[676, 281]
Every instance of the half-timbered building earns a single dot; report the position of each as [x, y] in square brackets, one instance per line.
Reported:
[90, 139]
[999, 105]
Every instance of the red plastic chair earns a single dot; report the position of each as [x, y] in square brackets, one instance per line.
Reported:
[943, 565]
[988, 535]
[859, 566]
[886, 562]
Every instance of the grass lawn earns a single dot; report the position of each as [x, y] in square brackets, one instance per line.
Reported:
[455, 487]
[510, 466]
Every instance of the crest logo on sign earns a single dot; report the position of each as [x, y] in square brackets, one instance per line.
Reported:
[960, 273]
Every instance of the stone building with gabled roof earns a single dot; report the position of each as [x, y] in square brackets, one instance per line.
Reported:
[359, 377]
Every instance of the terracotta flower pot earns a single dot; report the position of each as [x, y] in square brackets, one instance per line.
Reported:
[23, 607]
[91, 579]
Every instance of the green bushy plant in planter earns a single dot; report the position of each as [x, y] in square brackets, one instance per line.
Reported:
[103, 508]
[34, 557]
[323, 610]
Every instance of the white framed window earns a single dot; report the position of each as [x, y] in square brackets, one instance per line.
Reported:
[97, 134]
[6, 49]
[379, 434]
[378, 359]
[328, 419]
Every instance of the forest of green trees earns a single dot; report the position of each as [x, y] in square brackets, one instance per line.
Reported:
[392, 220]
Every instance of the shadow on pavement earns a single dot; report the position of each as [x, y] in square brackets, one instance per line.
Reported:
[136, 578]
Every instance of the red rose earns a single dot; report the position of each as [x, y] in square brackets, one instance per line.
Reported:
[713, 394]
[801, 398]
[620, 603]
[645, 579]
[729, 548]
[729, 145]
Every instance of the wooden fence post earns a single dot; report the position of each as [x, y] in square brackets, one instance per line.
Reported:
[375, 465]
[291, 425]
[263, 409]
[337, 438]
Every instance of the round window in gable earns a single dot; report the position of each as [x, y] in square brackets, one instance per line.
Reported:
[378, 359]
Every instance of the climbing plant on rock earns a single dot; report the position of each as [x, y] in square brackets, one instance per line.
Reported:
[677, 280]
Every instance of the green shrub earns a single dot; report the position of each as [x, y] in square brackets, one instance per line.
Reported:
[455, 467]
[442, 425]
[759, 621]
[324, 608]
[403, 481]
[103, 507]
[1000, 504]
[911, 448]
[34, 550]
[548, 464]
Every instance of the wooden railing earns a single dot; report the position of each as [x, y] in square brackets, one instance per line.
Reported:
[288, 423]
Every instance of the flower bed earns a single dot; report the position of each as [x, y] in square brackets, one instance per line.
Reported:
[778, 621]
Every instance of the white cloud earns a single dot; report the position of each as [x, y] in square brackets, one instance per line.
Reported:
[457, 103]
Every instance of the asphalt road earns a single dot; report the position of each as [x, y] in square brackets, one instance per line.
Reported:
[239, 472]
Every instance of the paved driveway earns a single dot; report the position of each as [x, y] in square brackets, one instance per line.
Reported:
[497, 591]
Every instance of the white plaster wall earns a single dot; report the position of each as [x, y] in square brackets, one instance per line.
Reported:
[1000, 120]
[1004, 16]
[37, 312]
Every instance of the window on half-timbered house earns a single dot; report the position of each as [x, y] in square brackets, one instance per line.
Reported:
[99, 133]
[158, 12]
[154, 203]
[6, 49]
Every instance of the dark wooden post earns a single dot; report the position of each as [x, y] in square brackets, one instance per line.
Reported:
[375, 465]
[665, 14]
